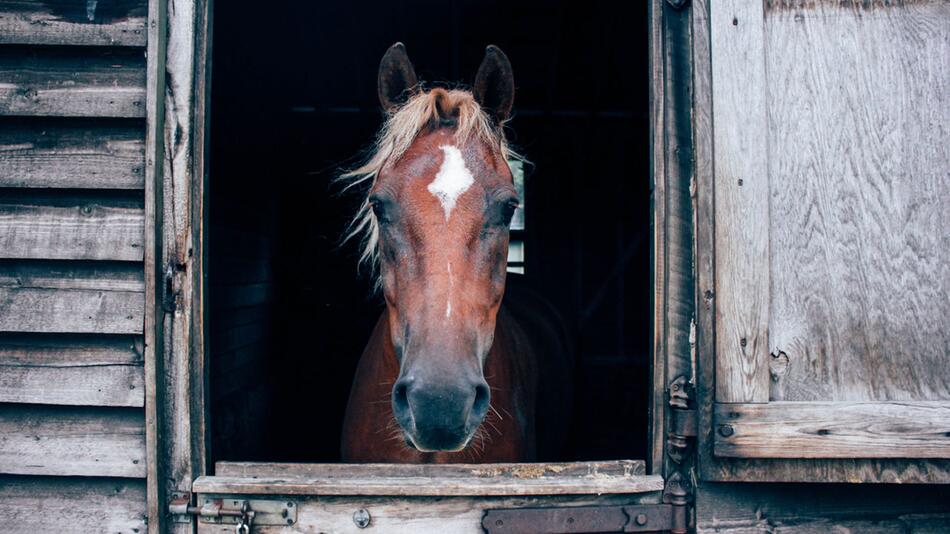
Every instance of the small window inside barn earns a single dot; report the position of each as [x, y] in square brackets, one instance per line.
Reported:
[294, 101]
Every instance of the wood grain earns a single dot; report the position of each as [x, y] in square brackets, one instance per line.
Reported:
[623, 476]
[741, 183]
[916, 471]
[71, 441]
[72, 82]
[860, 118]
[54, 226]
[71, 370]
[55, 505]
[156, 481]
[75, 155]
[821, 509]
[833, 430]
[456, 515]
[183, 230]
[67, 22]
[519, 471]
[71, 297]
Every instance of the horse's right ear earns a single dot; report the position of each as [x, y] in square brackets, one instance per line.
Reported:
[396, 77]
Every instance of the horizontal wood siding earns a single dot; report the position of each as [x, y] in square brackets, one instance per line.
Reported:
[749, 508]
[57, 505]
[69, 22]
[71, 297]
[833, 430]
[72, 370]
[57, 83]
[82, 227]
[77, 154]
[68, 441]
[72, 289]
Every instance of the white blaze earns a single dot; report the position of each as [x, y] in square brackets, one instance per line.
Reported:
[452, 180]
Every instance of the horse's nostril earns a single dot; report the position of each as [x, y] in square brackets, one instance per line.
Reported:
[400, 397]
[482, 400]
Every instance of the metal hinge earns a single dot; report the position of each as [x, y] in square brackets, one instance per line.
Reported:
[242, 513]
[567, 519]
[682, 419]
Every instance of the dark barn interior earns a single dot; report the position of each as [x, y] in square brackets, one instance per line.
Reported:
[294, 100]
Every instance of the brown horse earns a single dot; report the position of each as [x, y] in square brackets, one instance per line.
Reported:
[449, 375]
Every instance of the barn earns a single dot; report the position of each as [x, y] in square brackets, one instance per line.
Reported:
[738, 206]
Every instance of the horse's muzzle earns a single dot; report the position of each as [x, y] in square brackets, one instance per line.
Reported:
[439, 416]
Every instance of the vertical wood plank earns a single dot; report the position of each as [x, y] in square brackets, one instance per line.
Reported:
[154, 179]
[183, 221]
[741, 189]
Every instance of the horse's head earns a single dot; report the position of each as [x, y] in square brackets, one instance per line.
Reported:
[436, 219]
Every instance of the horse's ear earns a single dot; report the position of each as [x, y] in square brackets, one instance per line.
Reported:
[494, 86]
[396, 77]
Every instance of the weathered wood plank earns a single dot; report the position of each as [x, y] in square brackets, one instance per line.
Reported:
[432, 480]
[71, 370]
[711, 467]
[156, 495]
[54, 505]
[741, 182]
[833, 430]
[71, 297]
[184, 226]
[859, 115]
[71, 441]
[73, 228]
[72, 83]
[456, 515]
[86, 155]
[821, 508]
[616, 468]
[67, 22]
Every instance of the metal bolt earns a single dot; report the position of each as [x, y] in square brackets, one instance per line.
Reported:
[361, 518]
[726, 430]
[641, 519]
[740, 182]
[742, 342]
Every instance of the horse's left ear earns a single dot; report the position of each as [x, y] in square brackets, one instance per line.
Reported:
[494, 86]
[396, 78]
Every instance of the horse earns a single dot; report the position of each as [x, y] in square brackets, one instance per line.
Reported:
[449, 374]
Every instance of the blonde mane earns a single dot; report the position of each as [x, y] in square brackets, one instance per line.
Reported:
[422, 110]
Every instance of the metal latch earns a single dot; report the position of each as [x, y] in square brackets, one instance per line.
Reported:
[242, 513]
[567, 520]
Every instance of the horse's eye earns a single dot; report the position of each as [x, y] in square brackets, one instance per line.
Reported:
[508, 211]
[379, 206]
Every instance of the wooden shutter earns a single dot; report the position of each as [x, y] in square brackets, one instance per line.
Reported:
[822, 239]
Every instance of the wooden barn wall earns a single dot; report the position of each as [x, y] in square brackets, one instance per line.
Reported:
[72, 283]
[847, 75]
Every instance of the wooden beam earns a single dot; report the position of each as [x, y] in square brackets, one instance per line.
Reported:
[741, 183]
[183, 179]
[71, 441]
[414, 515]
[71, 297]
[577, 478]
[72, 82]
[71, 370]
[54, 505]
[85, 155]
[833, 430]
[64, 22]
[71, 227]
[154, 266]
